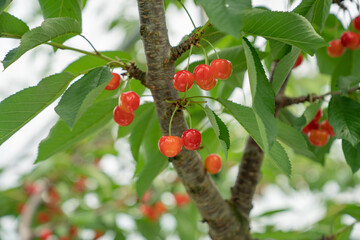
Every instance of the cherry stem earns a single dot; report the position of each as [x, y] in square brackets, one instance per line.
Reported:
[172, 116]
[89, 43]
[217, 55]
[190, 122]
[188, 63]
[207, 24]
[192, 22]
[203, 97]
[205, 55]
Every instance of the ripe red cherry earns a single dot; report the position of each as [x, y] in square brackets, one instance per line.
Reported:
[45, 233]
[182, 199]
[114, 82]
[98, 234]
[298, 60]
[203, 75]
[170, 146]
[356, 23]
[325, 125]
[191, 139]
[336, 48]
[43, 217]
[123, 116]
[222, 68]
[129, 100]
[318, 115]
[310, 126]
[209, 86]
[181, 78]
[350, 40]
[213, 163]
[318, 138]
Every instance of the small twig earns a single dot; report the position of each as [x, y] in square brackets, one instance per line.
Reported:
[340, 4]
[89, 43]
[287, 101]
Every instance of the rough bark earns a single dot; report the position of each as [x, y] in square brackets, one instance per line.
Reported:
[219, 215]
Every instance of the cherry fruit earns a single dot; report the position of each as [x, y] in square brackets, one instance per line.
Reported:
[170, 146]
[181, 79]
[182, 199]
[336, 48]
[310, 126]
[114, 82]
[213, 163]
[122, 115]
[356, 23]
[204, 76]
[350, 40]
[318, 138]
[298, 61]
[45, 233]
[325, 126]
[191, 139]
[222, 68]
[129, 100]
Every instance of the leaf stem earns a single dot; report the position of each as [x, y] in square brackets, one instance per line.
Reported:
[89, 43]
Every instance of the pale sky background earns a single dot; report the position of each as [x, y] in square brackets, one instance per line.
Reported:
[19, 152]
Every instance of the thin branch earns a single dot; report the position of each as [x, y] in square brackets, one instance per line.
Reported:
[340, 4]
[184, 46]
[284, 101]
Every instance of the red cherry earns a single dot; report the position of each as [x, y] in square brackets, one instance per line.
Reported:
[129, 100]
[79, 185]
[122, 116]
[43, 217]
[318, 138]
[213, 163]
[181, 78]
[203, 75]
[222, 68]
[298, 60]
[350, 40]
[310, 126]
[191, 139]
[325, 125]
[209, 86]
[114, 82]
[159, 209]
[146, 197]
[31, 188]
[356, 23]
[336, 48]
[182, 199]
[318, 115]
[170, 146]
[54, 196]
[45, 233]
[73, 231]
[98, 234]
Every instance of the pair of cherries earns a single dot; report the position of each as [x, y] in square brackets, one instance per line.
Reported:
[348, 39]
[170, 146]
[204, 75]
[128, 102]
[318, 134]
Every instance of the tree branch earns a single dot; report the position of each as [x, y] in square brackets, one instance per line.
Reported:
[219, 215]
[283, 101]
[340, 4]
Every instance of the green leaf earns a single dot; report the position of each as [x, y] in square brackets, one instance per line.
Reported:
[143, 114]
[278, 49]
[81, 94]
[348, 65]
[51, 28]
[352, 210]
[283, 68]
[226, 14]
[344, 117]
[155, 161]
[352, 155]
[63, 8]
[4, 4]
[246, 117]
[262, 95]
[286, 27]
[11, 26]
[345, 83]
[294, 139]
[60, 137]
[280, 158]
[87, 62]
[220, 129]
[20, 108]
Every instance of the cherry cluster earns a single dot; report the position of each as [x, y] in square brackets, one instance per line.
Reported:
[204, 75]
[318, 134]
[348, 39]
[128, 102]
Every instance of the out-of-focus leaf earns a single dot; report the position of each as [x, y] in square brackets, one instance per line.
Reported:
[4, 4]
[352, 155]
[11, 26]
[280, 158]
[64, 8]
